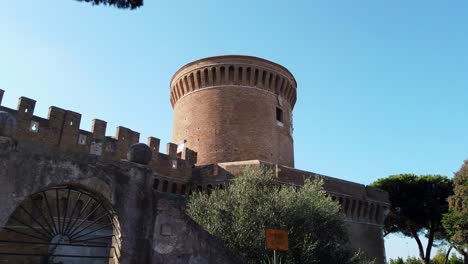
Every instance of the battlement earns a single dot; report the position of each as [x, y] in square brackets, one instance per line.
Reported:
[359, 203]
[243, 71]
[61, 129]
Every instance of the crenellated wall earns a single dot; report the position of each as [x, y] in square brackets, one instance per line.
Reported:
[61, 129]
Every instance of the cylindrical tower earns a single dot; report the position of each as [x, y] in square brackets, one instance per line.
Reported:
[234, 108]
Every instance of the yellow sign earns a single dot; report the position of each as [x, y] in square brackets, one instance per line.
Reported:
[277, 239]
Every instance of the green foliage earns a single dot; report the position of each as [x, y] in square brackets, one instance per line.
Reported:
[409, 260]
[416, 201]
[239, 215]
[132, 4]
[399, 260]
[456, 221]
[418, 204]
[455, 260]
[439, 258]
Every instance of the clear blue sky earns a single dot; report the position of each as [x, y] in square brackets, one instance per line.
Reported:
[382, 85]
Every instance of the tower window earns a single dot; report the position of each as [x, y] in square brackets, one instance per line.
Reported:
[279, 115]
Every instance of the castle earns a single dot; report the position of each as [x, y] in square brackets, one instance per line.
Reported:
[69, 195]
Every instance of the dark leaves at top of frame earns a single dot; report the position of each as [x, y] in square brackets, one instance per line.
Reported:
[124, 4]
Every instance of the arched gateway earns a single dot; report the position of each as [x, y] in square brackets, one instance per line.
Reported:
[63, 224]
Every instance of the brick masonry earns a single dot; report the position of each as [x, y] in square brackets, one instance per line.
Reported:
[225, 118]
[233, 108]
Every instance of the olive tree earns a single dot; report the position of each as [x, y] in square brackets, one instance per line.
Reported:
[253, 201]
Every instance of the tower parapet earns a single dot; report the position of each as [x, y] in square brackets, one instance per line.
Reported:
[231, 70]
[232, 108]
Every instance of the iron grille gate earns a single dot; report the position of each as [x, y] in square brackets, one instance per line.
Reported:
[60, 225]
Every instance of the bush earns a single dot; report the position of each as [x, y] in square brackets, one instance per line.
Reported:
[239, 215]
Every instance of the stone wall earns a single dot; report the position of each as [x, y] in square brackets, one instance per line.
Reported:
[125, 186]
[177, 239]
[152, 228]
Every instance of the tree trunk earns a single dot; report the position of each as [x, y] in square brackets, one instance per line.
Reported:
[430, 242]
[447, 255]
[421, 249]
[464, 254]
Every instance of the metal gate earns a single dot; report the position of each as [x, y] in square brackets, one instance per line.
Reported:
[61, 225]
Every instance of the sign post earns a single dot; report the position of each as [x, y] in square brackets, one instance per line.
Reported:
[276, 239]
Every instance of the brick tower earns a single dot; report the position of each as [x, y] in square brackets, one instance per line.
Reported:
[234, 108]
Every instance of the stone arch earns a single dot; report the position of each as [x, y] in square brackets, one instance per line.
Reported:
[183, 189]
[341, 203]
[365, 209]
[231, 73]
[270, 81]
[165, 186]
[240, 76]
[223, 74]
[359, 209]
[280, 84]
[198, 78]
[353, 208]
[174, 187]
[248, 77]
[346, 205]
[377, 213]
[205, 79]
[213, 79]
[192, 82]
[209, 188]
[371, 213]
[185, 85]
[63, 231]
[156, 184]
[263, 79]
[255, 79]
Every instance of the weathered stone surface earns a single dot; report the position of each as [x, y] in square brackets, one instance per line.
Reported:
[26, 169]
[127, 188]
[7, 124]
[139, 153]
[226, 109]
[177, 239]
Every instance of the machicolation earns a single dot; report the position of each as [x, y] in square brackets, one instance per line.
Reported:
[234, 70]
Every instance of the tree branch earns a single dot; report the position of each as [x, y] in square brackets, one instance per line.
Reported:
[463, 253]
